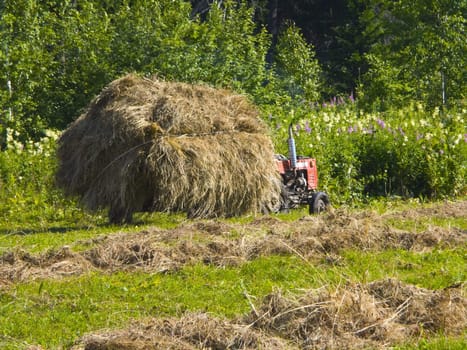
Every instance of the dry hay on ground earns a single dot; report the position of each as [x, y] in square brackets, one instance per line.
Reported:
[375, 315]
[358, 316]
[443, 210]
[149, 145]
[318, 239]
[192, 331]
[21, 266]
[352, 316]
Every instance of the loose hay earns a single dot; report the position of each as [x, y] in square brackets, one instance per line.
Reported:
[355, 316]
[192, 331]
[148, 145]
[21, 266]
[317, 239]
[374, 315]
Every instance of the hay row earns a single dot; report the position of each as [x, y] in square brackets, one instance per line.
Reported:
[318, 239]
[359, 316]
[193, 331]
[375, 315]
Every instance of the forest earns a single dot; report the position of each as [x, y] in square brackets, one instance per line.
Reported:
[56, 55]
[375, 88]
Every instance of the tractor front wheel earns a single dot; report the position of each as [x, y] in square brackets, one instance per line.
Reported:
[319, 203]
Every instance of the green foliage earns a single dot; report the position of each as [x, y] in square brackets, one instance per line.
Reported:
[23, 62]
[58, 55]
[82, 60]
[418, 46]
[148, 36]
[410, 152]
[53, 56]
[226, 50]
[298, 70]
[28, 197]
[383, 86]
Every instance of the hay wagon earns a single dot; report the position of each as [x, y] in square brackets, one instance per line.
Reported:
[148, 145]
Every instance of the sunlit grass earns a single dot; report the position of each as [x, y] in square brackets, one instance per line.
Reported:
[56, 312]
[423, 223]
[54, 235]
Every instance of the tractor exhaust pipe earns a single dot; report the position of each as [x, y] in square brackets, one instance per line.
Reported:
[292, 149]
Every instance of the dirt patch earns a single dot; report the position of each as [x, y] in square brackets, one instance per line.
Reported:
[375, 315]
[222, 244]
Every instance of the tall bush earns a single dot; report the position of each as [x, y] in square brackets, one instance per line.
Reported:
[418, 52]
[297, 69]
[54, 56]
[57, 55]
[28, 195]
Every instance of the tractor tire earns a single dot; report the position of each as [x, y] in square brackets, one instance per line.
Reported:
[319, 203]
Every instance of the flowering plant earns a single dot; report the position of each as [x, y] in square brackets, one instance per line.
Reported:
[410, 152]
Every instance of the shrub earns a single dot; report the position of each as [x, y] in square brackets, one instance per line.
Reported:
[28, 195]
[409, 152]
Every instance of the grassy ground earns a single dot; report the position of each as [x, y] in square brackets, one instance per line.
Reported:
[56, 312]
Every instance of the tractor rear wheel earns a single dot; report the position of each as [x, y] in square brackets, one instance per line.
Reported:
[319, 203]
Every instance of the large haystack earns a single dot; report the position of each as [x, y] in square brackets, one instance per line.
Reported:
[148, 145]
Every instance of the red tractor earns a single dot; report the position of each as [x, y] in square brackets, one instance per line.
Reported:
[300, 181]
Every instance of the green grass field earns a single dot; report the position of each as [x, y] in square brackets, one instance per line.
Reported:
[55, 312]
